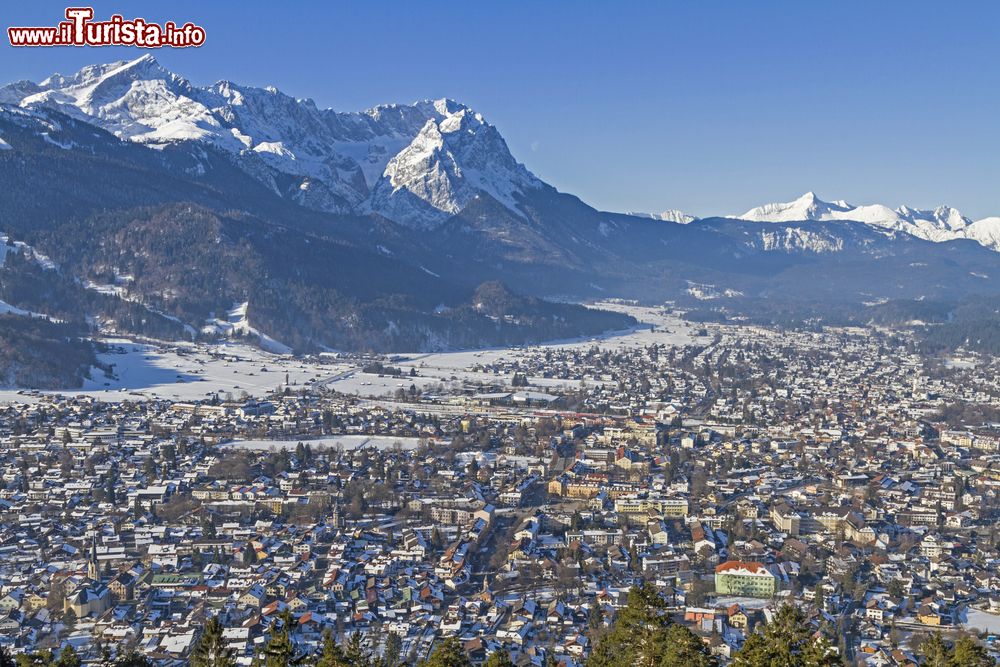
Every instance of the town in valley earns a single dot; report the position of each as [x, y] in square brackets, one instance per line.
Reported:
[513, 500]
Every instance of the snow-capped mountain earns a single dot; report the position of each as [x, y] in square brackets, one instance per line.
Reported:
[943, 223]
[670, 215]
[415, 164]
[985, 232]
[448, 164]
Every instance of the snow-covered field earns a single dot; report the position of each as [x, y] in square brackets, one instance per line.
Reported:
[451, 369]
[342, 442]
[188, 371]
[983, 621]
[959, 363]
[722, 602]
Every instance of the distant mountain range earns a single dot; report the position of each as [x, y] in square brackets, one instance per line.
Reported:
[670, 215]
[943, 223]
[165, 208]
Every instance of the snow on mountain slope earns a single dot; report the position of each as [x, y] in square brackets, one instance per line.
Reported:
[448, 164]
[136, 100]
[415, 164]
[800, 239]
[985, 232]
[7, 247]
[940, 224]
[811, 207]
[670, 215]
[237, 323]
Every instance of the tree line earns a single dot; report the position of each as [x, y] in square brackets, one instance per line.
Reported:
[642, 635]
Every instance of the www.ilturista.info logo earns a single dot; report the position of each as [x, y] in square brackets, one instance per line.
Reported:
[79, 29]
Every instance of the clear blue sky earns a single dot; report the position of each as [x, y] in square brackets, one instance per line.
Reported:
[710, 107]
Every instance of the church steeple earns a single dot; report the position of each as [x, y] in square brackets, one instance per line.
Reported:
[486, 595]
[93, 572]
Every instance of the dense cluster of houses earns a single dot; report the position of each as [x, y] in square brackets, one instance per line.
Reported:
[833, 470]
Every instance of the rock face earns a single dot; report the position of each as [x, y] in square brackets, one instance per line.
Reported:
[450, 162]
[416, 165]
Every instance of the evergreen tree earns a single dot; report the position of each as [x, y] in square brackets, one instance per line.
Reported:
[966, 652]
[448, 653]
[393, 650]
[331, 655]
[38, 659]
[437, 540]
[685, 649]
[112, 495]
[210, 649]
[133, 659]
[68, 657]
[279, 650]
[935, 652]
[786, 640]
[499, 658]
[638, 635]
[595, 616]
[356, 654]
[105, 652]
[208, 525]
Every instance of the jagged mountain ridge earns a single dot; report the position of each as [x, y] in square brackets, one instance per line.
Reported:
[197, 236]
[943, 223]
[415, 164]
[66, 169]
[670, 215]
[310, 278]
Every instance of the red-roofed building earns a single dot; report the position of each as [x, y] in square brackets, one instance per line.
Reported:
[745, 578]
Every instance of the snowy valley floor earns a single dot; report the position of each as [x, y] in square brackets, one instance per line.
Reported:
[190, 372]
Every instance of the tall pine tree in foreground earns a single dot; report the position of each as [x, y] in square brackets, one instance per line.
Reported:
[786, 641]
[499, 658]
[356, 653]
[644, 636]
[448, 653]
[279, 649]
[211, 649]
[393, 650]
[331, 655]
[964, 652]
